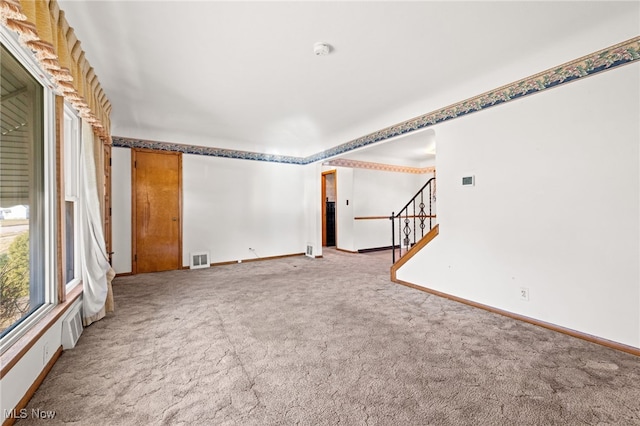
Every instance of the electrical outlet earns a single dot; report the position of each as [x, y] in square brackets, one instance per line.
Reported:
[45, 354]
[524, 293]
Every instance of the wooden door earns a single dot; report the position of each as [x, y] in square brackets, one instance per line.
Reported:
[157, 211]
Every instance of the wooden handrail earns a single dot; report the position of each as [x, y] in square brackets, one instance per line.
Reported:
[387, 217]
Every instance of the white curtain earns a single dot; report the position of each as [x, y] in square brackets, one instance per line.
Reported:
[96, 271]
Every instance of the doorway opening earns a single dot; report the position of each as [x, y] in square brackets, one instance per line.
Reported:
[329, 197]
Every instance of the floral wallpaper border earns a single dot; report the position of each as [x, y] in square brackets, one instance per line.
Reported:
[204, 150]
[355, 164]
[602, 60]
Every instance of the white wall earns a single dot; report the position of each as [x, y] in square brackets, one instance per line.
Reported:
[232, 205]
[345, 238]
[370, 193]
[229, 206]
[378, 193]
[555, 209]
[121, 209]
[282, 210]
[312, 207]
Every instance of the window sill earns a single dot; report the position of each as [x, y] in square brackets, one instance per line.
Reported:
[72, 285]
[14, 353]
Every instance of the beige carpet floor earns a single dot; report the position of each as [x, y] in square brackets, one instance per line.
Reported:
[324, 342]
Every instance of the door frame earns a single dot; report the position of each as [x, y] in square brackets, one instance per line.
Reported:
[107, 218]
[323, 204]
[134, 225]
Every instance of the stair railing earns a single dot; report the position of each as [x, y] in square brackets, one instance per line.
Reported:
[415, 214]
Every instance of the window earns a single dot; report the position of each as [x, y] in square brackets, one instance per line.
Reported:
[26, 289]
[71, 189]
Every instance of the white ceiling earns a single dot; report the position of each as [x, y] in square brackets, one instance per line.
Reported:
[243, 75]
[416, 149]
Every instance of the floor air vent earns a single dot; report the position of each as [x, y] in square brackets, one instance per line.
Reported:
[199, 260]
[71, 328]
[309, 250]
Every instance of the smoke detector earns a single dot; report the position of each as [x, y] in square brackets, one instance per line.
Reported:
[321, 49]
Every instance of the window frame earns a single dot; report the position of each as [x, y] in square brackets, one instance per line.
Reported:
[46, 199]
[73, 135]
